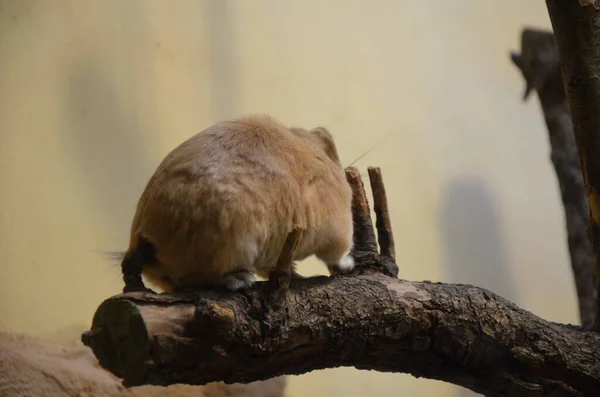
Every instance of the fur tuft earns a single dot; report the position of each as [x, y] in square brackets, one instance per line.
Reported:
[112, 256]
[115, 255]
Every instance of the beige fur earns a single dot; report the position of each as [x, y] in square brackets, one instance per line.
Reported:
[220, 205]
[63, 367]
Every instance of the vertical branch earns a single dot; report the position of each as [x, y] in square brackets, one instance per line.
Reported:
[577, 32]
[539, 64]
[382, 218]
[364, 235]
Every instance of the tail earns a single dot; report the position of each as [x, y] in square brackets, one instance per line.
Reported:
[115, 256]
[112, 256]
[132, 261]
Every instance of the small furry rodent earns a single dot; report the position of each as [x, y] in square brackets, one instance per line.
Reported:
[219, 207]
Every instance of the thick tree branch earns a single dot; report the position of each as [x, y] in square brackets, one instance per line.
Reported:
[539, 63]
[577, 32]
[455, 333]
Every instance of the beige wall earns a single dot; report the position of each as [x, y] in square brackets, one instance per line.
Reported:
[93, 94]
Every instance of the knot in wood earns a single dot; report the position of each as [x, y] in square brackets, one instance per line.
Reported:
[212, 313]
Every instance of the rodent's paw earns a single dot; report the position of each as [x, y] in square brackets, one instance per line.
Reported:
[239, 280]
[346, 264]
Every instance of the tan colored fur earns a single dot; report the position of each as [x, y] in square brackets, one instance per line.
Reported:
[224, 201]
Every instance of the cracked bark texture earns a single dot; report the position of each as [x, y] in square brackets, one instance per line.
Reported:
[577, 32]
[538, 61]
[455, 333]
[368, 319]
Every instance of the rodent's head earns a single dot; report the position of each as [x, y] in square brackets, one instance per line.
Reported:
[321, 138]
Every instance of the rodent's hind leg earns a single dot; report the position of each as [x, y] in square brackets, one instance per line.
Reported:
[266, 272]
[241, 279]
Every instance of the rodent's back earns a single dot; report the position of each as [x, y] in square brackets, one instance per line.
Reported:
[227, 198]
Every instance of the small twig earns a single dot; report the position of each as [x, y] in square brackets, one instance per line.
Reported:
[280, 277]
[364, 234]
[383, 223]
[365, 244]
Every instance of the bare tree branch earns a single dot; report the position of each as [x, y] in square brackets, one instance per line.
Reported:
[577, 32]
[539, 63]
[364, 235]
[383, 221]
[364, 250]
[367, 319]
[455, 333]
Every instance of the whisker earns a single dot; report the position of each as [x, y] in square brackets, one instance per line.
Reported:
[371, 148]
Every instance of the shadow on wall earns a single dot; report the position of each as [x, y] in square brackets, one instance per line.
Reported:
[473, 248]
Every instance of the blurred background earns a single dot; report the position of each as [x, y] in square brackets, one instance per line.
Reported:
[93, 95]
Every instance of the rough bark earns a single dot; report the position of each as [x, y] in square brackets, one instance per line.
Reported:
[455, 333]
[364, 250]
[368, 319]
[539, 63]
[577, 32]
[382, 215]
